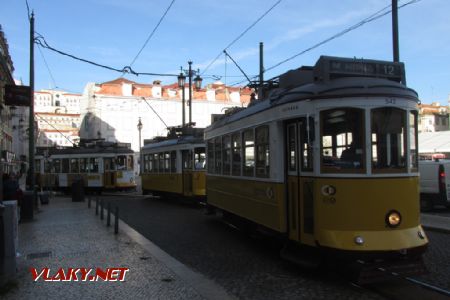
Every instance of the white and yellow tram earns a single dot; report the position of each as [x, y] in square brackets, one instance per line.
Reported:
[175, 165]
[101, 165]
[328, 159]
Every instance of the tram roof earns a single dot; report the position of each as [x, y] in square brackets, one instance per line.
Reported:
[331, 77]
[86, 150]
[185, 139]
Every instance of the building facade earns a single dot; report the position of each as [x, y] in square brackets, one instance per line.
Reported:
[9, 158]
[433, 117]
[112, 110]
[57, 114]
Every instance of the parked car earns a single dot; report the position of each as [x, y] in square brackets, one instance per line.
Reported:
[434, 183]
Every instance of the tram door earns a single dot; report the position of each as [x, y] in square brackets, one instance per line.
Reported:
[109, 174]
[187, 164]
[299, 187]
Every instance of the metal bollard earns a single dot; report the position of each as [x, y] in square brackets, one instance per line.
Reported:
[101, 209]
[108, 216]
[96, 206]
[116, 221]
[89, 201]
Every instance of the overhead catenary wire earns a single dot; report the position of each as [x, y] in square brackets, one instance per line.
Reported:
[48, 68]
[240, 69]
[152, 33]
[380, 13]
[51, 125]
[161, 119]
[40, 40]
[242, 34]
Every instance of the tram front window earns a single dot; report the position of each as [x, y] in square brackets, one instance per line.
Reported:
[121, 162]
[342, 140]
[388, 139]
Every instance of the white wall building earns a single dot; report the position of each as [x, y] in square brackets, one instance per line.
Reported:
[111, 110]
[57, 114]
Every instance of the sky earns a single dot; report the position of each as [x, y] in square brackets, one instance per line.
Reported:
[112, 33]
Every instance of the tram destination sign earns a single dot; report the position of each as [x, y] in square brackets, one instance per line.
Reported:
[334, 67]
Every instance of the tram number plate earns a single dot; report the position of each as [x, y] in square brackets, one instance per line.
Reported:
[390, 101]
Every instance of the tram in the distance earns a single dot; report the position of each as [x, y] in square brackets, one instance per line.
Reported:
[175, 165]
[101, 165]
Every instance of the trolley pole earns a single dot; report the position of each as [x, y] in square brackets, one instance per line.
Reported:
[261, 72]
[395, 42]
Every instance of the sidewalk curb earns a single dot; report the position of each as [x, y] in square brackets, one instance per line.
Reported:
[207, 288]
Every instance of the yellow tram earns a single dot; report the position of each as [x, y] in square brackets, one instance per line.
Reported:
[175, 165]
[328, 159]
[101, 165]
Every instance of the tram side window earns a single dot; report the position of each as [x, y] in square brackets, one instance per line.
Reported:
[413, 160]
[226, 154]
[83, 165]
[262, 151]
[161, 162]
[145, 162]
[93, 164]
[218, 155]
[37, 166]
[65, 165]
[156, 162]
[57, 165]
[173, 161]
[236, 146]
[166, 162]
[187, 159]
[249, 152]
[292, 147]
[74, 165]
[210, 157]
[47, 166]
[388, 139]
[342, 140]
[199, 158]
[305, 145]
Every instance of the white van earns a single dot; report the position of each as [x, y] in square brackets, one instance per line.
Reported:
[434, 183]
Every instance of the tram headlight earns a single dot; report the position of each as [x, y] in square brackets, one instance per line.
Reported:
[359, 240]
[393, 218]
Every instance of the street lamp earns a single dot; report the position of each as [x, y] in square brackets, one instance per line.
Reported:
[198, 85]
[139, 127]
[181, 83]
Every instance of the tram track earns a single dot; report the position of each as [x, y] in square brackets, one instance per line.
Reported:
[397, 287]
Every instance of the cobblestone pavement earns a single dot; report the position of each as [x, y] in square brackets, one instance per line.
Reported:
[67, 235]
[248, 268]
[437, 260]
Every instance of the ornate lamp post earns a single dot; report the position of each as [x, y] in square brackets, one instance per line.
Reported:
[198, 84]
[181, 83]
[139, 127]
